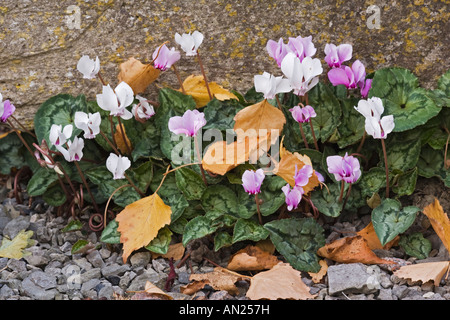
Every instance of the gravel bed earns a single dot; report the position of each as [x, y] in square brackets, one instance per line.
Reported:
[51, 272]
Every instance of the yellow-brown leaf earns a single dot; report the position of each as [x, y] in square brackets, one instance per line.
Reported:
[252, 258]
[369, 234]
[440, 222]
[140, 222]
[118, 137]
[137, 75]
[195, 86]
[430, 271]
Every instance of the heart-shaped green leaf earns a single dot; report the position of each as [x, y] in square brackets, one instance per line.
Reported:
[110, 233]
[352, 128]
[58, 110]
[190, 183]
[246, 229]
[405, 183]
[416, 245]
[218, 200]
[410, 105]
[162, 241]
[389, 219]
[298, 241]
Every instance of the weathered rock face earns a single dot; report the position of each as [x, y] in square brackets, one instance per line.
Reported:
[41, 41]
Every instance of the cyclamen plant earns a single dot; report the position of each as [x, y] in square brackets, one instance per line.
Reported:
[117, 147]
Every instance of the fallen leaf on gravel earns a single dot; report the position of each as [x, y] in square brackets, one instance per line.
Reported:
[176, 251]
[440, 222]
[280, 282]
[193, 287]
[368, 233]
[14, 249]
[195, 86]
[219, 279]
[137, 75]
[351, 250]
[140, 222]
[317, 277]
[252, 258]
[430, 271]
[151, 289]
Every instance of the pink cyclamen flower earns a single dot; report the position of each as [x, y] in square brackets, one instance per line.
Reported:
[302, 47]
[252, 180]
[6, 109]
[164, 58]
[304, 114]
[335, 56]
[345, 168]
[277, 50]
[301, 177]
[349, 77]
[293, 196]
[189, 123]
[365, 88]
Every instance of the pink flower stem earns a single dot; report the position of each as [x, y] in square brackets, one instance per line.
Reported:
[179, 79]
[257, 209]
[199, 156]
[20, 137]
[314, 135]
[342, 191]
[346, 197]
[386, 167]
[361, 143]
[23, 127]
[204, 75]
[303, 135]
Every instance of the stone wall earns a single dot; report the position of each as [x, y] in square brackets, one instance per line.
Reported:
[42, 40]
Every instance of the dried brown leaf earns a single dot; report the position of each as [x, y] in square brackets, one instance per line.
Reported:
[280, 282]
[440, 221]
[252, 258]
[424, 272]
[137, 75]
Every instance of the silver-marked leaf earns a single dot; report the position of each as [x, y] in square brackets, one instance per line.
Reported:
[389, 219]
[372, 181]
[219, 114]
[218, 200]
[222, 239]
[162, 241]
[444, 86]
[11, 156]
[197, 228]
[352, 128]
[190, 183]
[415, 245]
[40, 181]
[402, 155]
[298, 241]
[246, 229]
[326, 200]
[110, 233]
[59, 110]
[54, 195]
[431, 163]
[410, 105]
[405, 183]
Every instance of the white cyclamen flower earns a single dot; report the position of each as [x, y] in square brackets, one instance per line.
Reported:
[143, 110]
[372, 107]
[75, 150]
[375, 125]
[270, 85]
[115, 101]
[89, 123]
[117, 165]
[189, 43]
[58, 136]
[88, 67]
[303, 76]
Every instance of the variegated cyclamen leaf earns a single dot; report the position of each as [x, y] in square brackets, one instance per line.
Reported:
[406, 183]
[218, 200]
[402, 155]
[197, 228]
[410, 105]
[444, 86]
[389, 219]
[372, 181]
[298, 241]
[190, 183]
[59, 110]
[162, 241]
[246, 229]
[416, 245]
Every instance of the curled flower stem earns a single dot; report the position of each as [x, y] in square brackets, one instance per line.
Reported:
[386, 167]
[303, 135]
[83, 178]
[179, 79]
[204, 75]
[257, 209]
[124, 137]
[109, 200]
[199, 156]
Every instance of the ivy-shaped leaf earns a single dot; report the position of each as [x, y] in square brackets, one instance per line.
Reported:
[389, 219]
[410, 105]
[110, 233]
[415, 245]
[405, 183]
[298, 241]
[247, 229]
[59, 110]
[218, 200]
[197, 228]
[190, 183]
